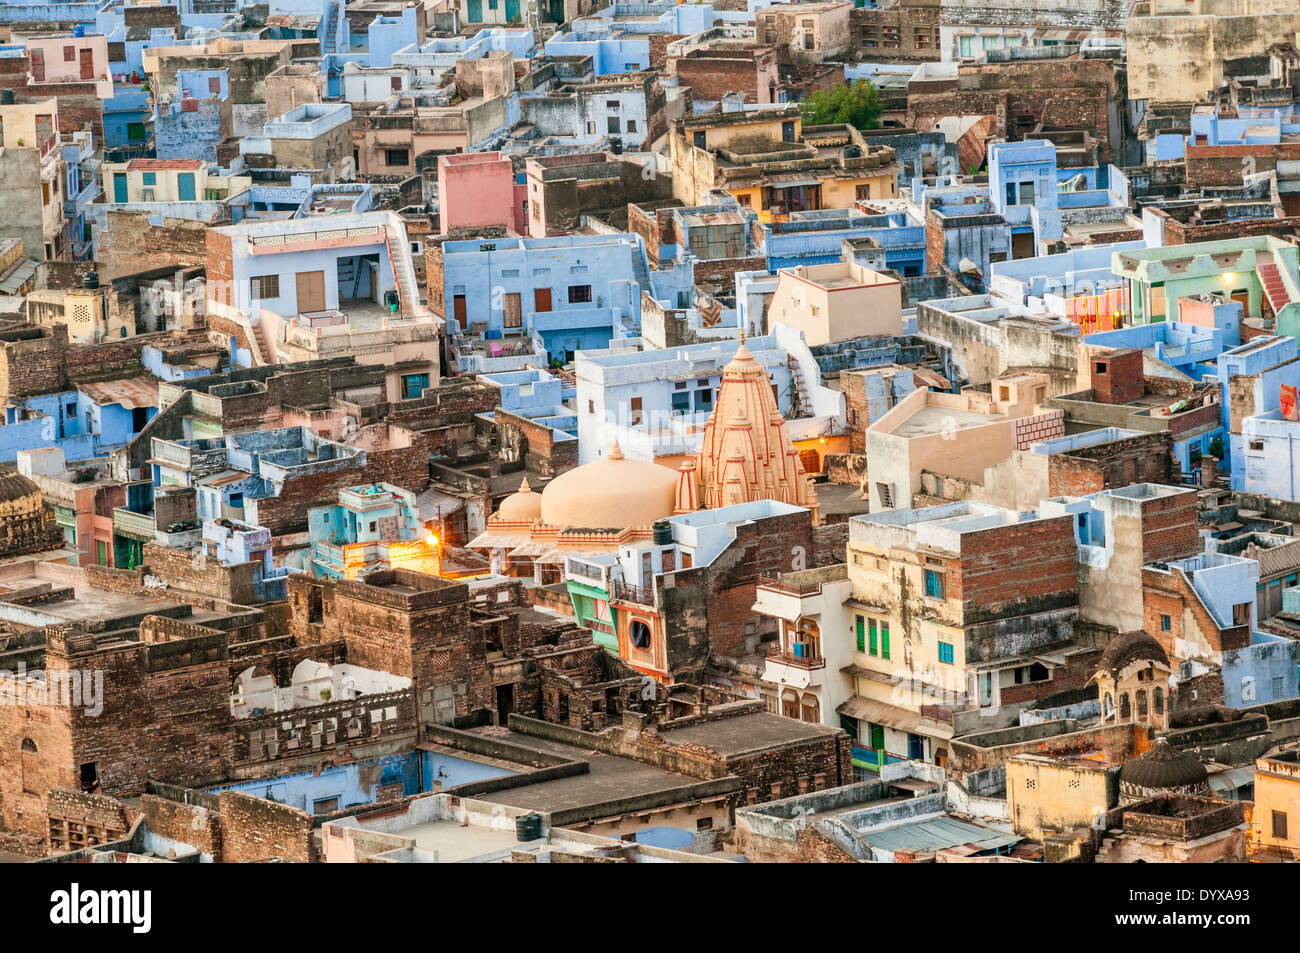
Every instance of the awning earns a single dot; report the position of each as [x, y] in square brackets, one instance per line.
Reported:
[1228, 782]
[891, 716]
[782, 183]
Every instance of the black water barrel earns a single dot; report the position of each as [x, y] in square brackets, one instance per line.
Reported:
[90, 280]
[528, 827]
[663, 533]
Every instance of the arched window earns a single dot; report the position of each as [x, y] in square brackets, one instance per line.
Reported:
[790, 703]
[638, 633]
[1107, 705]
[812, 709]
[1158, 700]
[1125, 712]
[1142, 706]
[31, 768]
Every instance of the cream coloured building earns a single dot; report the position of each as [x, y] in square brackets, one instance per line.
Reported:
[836, 301]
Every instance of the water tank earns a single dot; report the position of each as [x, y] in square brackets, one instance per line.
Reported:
[528, 827]
[663, 533]
[90, 280]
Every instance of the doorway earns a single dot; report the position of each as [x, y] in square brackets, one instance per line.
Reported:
[311, 291]
[505, 703]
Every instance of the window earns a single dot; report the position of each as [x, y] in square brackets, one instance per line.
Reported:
[886, 493]
[631, 125]
[325, 805]
[612, 124]
[1279, 824]
[638, 633]
[579, 294]
[148, 178]
[681, 403]
[945, 652]
[31, 768]
[933, 584]
[1241, 613]
[265, 286]
[860, 629]
[704, 823]
[413, 385]
[1248, 689]
[873, 640]
[1279, 687]
[1165, 623]
[237, 501]
[884, 640]
[69, 54]
[637, 406]
[397, 157]
[862, 192]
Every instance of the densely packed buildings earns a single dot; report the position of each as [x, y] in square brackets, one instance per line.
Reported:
[549, 432]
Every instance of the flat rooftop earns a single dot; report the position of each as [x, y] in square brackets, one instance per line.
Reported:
[931, 420]
[610, 778]
[745, 734]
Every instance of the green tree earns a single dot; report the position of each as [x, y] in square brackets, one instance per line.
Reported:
[854, 104]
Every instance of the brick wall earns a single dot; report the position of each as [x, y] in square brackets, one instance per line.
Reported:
[254, 829]
[1016, 569]
[1031, 430]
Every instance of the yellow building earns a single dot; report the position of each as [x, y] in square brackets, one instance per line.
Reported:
[1275, 827]
[1048, 795]
[770, 163]
[87, 313]
[168, 180]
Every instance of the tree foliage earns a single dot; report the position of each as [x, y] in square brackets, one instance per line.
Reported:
[855, 104]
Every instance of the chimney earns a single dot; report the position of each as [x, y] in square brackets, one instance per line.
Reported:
[1117, 377]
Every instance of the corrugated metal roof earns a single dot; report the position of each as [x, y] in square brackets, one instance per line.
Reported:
[936, 834]
[132, 393]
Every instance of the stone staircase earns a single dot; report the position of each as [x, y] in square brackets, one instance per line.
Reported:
[800, 405]
[408, 291]
[1274, 289]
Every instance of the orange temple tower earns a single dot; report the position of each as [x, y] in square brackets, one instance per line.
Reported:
[747, 453]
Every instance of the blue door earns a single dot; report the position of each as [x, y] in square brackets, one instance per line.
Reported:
[475, 11]
[185, 185]
[512, 10]
[119, 187]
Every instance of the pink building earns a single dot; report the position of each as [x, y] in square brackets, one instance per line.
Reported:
[478, 189]
[71, 59]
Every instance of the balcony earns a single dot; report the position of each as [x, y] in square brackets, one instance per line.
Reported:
[799, 666]
[637, 595]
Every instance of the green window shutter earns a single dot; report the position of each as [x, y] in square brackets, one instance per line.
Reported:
[884, 640]
[871, 632]
[861, 635]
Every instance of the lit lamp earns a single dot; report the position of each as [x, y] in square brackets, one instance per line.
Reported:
[432, 542]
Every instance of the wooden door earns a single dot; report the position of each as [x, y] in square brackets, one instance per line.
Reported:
[512, 311]
[541, 300]
[458, 309]
[87, 64]
[311, 291]
[38, 65]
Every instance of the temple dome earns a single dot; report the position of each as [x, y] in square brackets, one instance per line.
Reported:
[19, 496]
[1131, 647]
[612, 493]
[1163, 769]
[522, 507]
